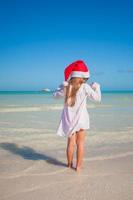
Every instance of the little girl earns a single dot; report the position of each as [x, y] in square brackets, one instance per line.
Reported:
[75, 119]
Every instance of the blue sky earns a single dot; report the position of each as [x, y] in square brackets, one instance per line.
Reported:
[39, 38]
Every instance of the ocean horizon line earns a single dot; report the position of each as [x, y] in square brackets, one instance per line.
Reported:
[49, 92]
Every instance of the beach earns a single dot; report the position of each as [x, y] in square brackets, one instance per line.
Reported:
[33, 157]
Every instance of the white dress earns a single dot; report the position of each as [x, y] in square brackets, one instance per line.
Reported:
[76, 117]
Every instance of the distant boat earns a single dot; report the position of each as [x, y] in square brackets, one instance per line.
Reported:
[46, 90]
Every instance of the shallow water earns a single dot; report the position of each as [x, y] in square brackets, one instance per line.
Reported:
[24, 114]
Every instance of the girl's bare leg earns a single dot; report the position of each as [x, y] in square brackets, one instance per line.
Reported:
[80, 138]
[70, 149]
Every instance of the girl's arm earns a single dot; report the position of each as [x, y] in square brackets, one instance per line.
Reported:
[93, 91]
[59, 92]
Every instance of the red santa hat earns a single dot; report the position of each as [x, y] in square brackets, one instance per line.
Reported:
[76, 69]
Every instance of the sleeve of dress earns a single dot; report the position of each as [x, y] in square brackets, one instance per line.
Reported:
[59, 92]
[93, 92]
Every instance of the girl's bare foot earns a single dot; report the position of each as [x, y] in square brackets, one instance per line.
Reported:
[70, 165]
[78, 169]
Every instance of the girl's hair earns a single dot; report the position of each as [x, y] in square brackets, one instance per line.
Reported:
[71, 90]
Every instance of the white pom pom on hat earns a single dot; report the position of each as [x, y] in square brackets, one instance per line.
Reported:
[76, 69]
[65, 83]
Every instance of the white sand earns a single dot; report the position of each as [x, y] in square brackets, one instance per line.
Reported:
[35, 169]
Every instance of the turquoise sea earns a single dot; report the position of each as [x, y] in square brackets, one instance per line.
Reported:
[28, 113]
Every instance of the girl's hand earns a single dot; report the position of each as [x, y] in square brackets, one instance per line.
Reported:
[95, 85]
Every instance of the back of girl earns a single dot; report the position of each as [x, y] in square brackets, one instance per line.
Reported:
[75, 118]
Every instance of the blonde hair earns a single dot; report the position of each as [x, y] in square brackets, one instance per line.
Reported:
[71, 90]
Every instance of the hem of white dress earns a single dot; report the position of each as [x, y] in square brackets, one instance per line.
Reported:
[68, 135]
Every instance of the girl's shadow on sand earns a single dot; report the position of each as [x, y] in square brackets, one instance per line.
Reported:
[29, 153]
